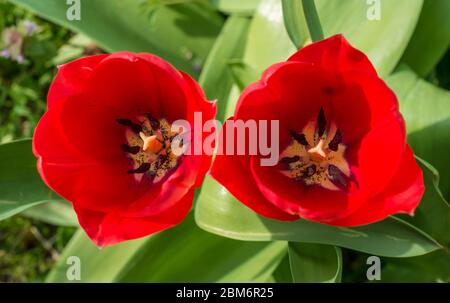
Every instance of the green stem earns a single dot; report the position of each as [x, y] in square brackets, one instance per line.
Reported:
[312, 19]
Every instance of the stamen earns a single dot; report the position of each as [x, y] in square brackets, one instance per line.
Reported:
[316, 156]
[130, 149]
[288, 160]
[149, 146]
[154, 123]
[334, 144]
[336, 176]
[300, 138]
[321, 123]
[135, 127]
[310, 171]
[141, 169]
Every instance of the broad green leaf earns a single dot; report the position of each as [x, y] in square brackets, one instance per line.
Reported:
[243, 74]
[184, 253]
[431, 38]
[433, 213]
[56, 212]
[241, 7]
[180, 33]
[219, 212]
[431, 268]
[215, 79]
[315, 262]
[268, 41]
[282, 273]
[384, 40]
[426, 109]
[20, 184]
[294, 21]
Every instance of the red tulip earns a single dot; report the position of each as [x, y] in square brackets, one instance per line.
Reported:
[104, 144]
[343, 157]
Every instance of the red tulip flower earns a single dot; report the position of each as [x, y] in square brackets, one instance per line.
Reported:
[104, 144]
[343, 156]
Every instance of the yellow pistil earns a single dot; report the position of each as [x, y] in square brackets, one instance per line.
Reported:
[317, 153]
[151, 143]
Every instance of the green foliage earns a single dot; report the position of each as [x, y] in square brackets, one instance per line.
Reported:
[315, 263]
[184, 253]
[23, 87]
[219, 212]
[29, 249]
[20, 184]
[431, 37]
[382, 40]
[181, 32]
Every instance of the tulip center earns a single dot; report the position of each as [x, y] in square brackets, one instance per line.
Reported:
[149, 146]
[315, 155]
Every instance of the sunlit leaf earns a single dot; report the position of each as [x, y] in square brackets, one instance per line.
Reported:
[315, 262]
[181, 33]
[218, 212]
[184, 253]
[431, 38]
[20, 184]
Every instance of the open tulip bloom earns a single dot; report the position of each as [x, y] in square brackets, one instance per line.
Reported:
[343, 157]
[107, 143]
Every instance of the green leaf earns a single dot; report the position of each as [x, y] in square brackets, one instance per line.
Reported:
[180, 33]
[432, 216]
[431, 38]
[426, 109]
[219, 212]
[20, 184]
[59, 213]
[315, 263]
[433, 213]
[243, 74]
[431, 268]
[184, 253]
[241, 7]
[384, 40]
[294, 21]
[282, 273]
[215, 79]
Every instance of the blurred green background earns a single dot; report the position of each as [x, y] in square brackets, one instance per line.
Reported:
[29, 247]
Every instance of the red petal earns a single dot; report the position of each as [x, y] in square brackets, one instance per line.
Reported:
[335, 53]
[231, 172]
[72, 78]
[157, 198]
[110, 228]
[402, 195]
[379, 154]
[132, 85]
[199, 103]
[72, 174]
[309, 202]
[290, 92]
[364, 102]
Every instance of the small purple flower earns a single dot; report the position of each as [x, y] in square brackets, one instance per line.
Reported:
[5, 53]
[20, 59]
[30, 27]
